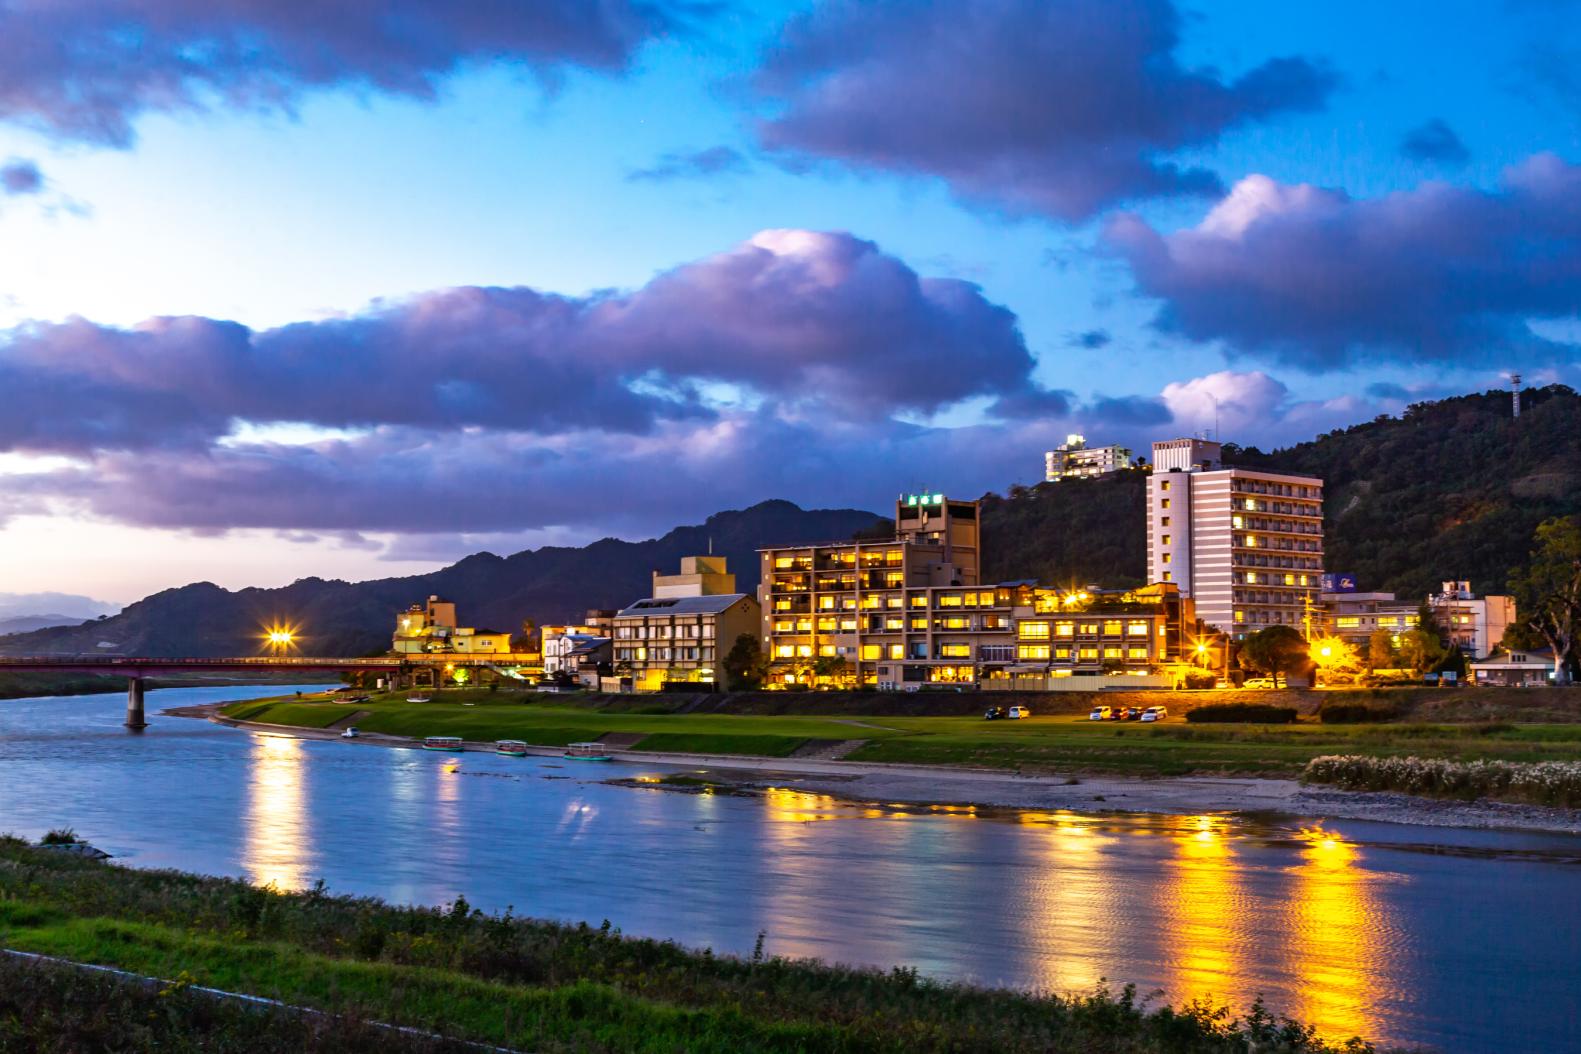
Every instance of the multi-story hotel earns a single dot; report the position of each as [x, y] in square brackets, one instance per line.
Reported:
[428, 629]
[909, 610]
[684, 630]
[1471, 623]
[1245, 544]
[1074, 459]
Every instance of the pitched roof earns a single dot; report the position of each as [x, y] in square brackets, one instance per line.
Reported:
[708, 605]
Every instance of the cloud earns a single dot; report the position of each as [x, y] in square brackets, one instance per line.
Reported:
[1319, 280]
[696, 164]
[19, 177]
[818, 324]
[1092, 339]
[1435, 141]
[1254, 409]
[1022, 106]
[85, 69]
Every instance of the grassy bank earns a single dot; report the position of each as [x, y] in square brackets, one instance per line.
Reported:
[1046, 743]
[519, 983]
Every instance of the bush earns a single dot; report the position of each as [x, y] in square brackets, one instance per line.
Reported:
[1355, 713]
[1541, 782]
[1256, 713]
[1200, 680]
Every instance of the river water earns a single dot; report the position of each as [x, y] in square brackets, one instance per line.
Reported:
[1459, 941]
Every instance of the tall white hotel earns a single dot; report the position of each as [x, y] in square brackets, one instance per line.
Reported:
[1245, 544]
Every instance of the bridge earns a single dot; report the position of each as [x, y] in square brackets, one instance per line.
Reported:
[136, 670]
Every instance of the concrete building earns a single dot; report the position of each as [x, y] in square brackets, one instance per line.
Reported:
[1518, 669]
[1475, 624]
[1355, 617]
[570, 649]
[430, 629]
[1074, 459]
[681, 634]
[818, 601]
[1245, 544]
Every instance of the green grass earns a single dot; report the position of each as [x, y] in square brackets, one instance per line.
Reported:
[1040, 744]
[525, 984]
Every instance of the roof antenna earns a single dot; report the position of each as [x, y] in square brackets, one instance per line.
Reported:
[710, 545]
[1515, 393]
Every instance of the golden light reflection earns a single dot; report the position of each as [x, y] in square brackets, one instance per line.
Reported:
[1338, 938]
[1073, 928]
[1201, 913]
[275, 827]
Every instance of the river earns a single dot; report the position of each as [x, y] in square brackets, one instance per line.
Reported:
[1460, 941]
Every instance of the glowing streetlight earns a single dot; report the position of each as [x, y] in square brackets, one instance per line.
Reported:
[279, 638]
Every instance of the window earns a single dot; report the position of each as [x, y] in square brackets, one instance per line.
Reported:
[1163, 503]
[1032, 651]
[1033, 631]
[782, 563]
[1136, 628]
[919, 623]
[1251, 578]
[894, 601]
[869, 602]
[1111, 627]
[897, 651]
[1163, 521]
[804, 651]
[1167, 576]
[893, 622]
[1167, 558]
[1165, 539]
[1062, 653]
[1088, 629]
[1089, 653]
[919, 600]
[1251, 541]
[894, 579]
[955, 651]
[826, 603]
[1136, 653]
[848, 625]
[781, 625]
[1352, 622]
[1240, 616]
[1064, 629]
[949, 600]
[826, 625]
[1290, 580]
[826, 650]
[784, 651]
[1111, 653]
[1163, 485]
[954, 622]
[870, 652]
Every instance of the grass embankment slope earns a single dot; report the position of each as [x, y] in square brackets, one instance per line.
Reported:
[1059, 743]
[520, 983]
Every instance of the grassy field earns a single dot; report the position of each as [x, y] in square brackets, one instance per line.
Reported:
[1060, 743]
[519, 983]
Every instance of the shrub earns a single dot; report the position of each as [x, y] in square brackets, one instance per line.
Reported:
[1258, 713]
[1355, 713]
[1200, 680]
[1541, 782]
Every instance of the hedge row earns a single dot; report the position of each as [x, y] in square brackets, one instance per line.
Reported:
[1259, 713]
[1355, 713]
[1541, 782]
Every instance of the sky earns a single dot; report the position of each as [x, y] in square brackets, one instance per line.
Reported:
[352, 290]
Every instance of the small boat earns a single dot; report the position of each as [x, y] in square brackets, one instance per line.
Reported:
[511, 748]
[587, 752]
[350, 733]
[442, 743]
[419, 699]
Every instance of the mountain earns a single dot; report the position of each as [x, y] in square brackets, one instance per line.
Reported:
[353, 618]
[1451, 489]
[29, 623]
[67, 607]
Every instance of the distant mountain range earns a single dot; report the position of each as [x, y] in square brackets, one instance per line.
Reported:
[1450, 490]
[495, 592]
[29, 623]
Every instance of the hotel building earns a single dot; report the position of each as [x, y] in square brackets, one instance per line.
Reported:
[430, 629]
[1245, 544]
[682, 633]
[1074, 459]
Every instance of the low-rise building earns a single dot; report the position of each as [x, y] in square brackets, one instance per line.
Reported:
[569, 650]
[682, 633]
[431, 629]
[1355, 617]
[1517, 669]
[1074, 459]
[1474, 624]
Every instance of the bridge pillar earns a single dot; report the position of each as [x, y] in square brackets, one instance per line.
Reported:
[134, 705]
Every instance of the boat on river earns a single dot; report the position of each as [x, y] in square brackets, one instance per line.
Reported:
[443, 743]
[419, 699]
[511, 748]
[587, 752]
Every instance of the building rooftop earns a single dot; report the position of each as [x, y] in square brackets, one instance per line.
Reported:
[705, 605]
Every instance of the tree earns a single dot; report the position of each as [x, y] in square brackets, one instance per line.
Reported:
[1337, 660]
[527, 639]
[1421, 649]
[1275, 650]
[832, 667]
[745, 665]
[1380, 650]
[1547, 591]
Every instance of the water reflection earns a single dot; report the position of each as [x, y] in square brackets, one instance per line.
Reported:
[1338, 929]
[1072, 923]
[1202, 916]
[276, 836]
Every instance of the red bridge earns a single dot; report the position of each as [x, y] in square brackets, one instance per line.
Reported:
[136, 669]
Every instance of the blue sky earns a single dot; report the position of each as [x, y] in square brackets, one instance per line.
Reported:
[356, 194]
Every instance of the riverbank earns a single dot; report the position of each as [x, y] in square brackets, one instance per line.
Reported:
[956, 785]
[519, 983]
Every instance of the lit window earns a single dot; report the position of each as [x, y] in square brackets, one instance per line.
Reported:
[955, 651]
[784, 651]
[1240, 616]
[1167, 558]
[1064, 629]
[804, 651]
[826, 650]
[1111, 627]
[1251, 578]
[1136, 653]
[1032, 651]
[1251, 541]
[1136, 628]
[1163, 485]
[1163, 503]
[1163, 521]
[1111, 653]
[1352, 622]
[783, 562]
[956, 622]
[1167, 577]
[1237, 522]
[826, 603]
[1034, 630]
[1164, 540]
[897, 651]
[919, 600]
[1089, 653]
[870, 652]
[950, 600]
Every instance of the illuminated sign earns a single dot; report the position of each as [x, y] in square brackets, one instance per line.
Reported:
[1339, 582]
[924, 499]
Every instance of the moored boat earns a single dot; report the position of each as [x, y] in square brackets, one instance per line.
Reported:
[511, 748]
[587, 752]
[442, 743]
[419, 699]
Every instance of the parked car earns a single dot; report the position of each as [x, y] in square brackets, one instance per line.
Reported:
[1258, 682]
[1018, 712]
[1101, 713]
[350, 733]
[1131, 713]
[1155, 713]
[995, 713]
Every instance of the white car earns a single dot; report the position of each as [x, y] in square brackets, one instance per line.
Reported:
[1154, 713]
[350, 733]
[1259, 682]
[1018, 712]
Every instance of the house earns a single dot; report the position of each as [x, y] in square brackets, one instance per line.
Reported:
[430, 629]
[1516, 669]
[682, 633]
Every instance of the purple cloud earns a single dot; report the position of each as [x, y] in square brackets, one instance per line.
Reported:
[694, 164]
[1025, 106]
[816, 324]
[85, 69]
[1435, 141]
[20, 176]
[1317, 279]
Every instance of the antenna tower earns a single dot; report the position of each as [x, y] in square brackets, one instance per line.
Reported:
[1515, 394]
